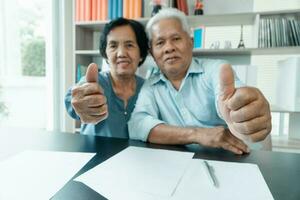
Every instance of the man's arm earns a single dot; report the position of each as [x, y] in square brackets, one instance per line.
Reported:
[217, 137]
[145, 125]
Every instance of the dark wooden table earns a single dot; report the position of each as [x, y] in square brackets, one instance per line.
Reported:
[280, 170]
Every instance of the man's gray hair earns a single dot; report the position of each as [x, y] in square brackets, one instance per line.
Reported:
[168, 13]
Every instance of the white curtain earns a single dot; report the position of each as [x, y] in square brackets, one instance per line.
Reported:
[10, 59]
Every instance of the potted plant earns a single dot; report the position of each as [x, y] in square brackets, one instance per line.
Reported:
[3, 108]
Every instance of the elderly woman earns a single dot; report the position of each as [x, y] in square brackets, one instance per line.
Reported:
[104, 101]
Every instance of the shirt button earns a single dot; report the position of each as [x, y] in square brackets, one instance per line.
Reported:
[125, 113]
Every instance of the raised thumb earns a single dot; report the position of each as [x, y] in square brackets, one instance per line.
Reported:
[226, 82]
[92, 73]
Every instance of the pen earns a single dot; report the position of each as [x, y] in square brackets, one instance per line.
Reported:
[210, 173]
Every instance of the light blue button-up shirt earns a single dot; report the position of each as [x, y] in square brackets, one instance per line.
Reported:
[193, 105]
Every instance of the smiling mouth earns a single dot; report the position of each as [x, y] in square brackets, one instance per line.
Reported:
[123, 63]
[171, 59]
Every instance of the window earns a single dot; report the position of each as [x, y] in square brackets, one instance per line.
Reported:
[23, 63]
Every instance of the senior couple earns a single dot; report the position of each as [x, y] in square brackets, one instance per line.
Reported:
[187, 101]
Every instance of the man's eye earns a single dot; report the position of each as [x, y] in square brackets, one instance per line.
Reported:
[112, 46]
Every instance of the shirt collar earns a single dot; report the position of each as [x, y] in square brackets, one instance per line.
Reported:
[195, 68]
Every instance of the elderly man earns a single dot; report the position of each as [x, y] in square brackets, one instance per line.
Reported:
[195, 101]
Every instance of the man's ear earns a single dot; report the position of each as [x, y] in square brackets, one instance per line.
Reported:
[191, 40]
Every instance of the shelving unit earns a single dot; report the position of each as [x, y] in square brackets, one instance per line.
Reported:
[231, 52]
[86, 38]
[87, 34]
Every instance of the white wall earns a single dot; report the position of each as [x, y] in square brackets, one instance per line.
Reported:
[267, 5]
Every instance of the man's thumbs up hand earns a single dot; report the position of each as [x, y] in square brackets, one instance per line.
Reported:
[227, 88]
[88, 99]
[245, 110]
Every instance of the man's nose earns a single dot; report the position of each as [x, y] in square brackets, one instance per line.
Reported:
[169, 47]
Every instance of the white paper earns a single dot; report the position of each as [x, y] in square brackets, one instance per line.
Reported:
[138, 173]
[38, 175]
[236, 181]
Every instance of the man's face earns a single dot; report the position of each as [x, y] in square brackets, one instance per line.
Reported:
[172, 48]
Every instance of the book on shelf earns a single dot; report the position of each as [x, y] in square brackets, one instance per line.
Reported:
[91, 10]
[138, 9]
[182, 6]
[110, 9]
[101, 10]
[199, 36]
[87, 10]
[80, 72]
[278, 31]
[126, 11]
[94, 10]
[134, 9]
[115, 9]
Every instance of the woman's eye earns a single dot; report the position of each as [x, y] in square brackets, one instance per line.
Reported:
[159, 43]
[130, 45]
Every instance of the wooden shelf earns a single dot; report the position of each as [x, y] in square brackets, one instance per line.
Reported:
[87, 52]
[279, 12]
[276, 50]
[86, 39]
[249, 51]
[217, 52]
[207, 20]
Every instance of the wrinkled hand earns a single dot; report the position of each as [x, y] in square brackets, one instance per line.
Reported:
[219, 137]
[245, 110]
[88, 99]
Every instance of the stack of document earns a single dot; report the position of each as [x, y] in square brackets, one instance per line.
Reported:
[152, 174]
[134, 173]
[38, 175]
[138, 173]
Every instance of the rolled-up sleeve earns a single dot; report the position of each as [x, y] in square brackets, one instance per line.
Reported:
[145, 115]
[68, 98]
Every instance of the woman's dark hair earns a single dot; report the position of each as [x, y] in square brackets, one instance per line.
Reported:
[139, 31]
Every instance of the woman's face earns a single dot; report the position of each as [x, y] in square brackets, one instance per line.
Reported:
[123, 52]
